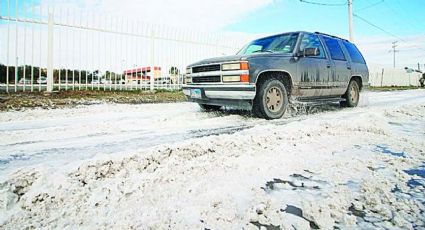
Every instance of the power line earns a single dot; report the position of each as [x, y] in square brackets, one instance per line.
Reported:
[377, 27]
[403, 17]
[393, 35]
[348, 3]
[371, 5]
[406, 13]
[385, 31]
[323, 3]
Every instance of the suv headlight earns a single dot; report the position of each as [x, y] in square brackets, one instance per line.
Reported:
[232, 66]
[235, 66]
[236, 78]
[188, 70]
[231, 78]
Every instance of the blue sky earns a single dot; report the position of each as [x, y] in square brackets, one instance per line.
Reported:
[400, 17]
[403, 20]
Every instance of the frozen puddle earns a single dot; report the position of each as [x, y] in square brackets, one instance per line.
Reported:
[387, 150]
[418, 178]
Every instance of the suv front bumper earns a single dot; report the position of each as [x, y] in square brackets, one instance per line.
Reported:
[220, 91]
[239, 95]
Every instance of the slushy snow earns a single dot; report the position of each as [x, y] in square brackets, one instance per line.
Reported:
[345, 168]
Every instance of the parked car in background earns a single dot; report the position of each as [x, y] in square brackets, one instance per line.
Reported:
[268, 72]
[105, 81]
[69, 82]
[25, 81]
[42, 80]
[101, 81]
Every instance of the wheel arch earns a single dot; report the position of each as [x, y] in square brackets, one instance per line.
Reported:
[280, 75]
[358, 79]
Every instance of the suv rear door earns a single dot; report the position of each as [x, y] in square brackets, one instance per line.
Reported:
[313, 71]
[358, 64]
[340, 66]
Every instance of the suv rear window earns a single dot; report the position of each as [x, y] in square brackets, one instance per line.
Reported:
[354, 53]
[334, 48]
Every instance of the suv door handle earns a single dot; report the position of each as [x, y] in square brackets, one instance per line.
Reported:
[348, 67]
[328, 65]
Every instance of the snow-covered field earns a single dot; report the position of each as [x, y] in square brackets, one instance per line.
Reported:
[170, 166]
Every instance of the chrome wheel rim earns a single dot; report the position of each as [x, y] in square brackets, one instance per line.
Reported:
[274, 99]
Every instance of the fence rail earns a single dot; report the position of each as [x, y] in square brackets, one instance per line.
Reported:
[380, 77]
[44, 48]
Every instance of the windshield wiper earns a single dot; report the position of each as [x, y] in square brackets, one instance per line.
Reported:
[263, 51]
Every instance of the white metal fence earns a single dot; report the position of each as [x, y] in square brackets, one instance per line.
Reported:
[76, 50]
[45, 48]
[393, 77]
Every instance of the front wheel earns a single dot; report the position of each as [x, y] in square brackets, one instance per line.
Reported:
[210, 107]
[352, 95]
[271, 100]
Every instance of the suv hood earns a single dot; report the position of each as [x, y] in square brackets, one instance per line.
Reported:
[234, 58]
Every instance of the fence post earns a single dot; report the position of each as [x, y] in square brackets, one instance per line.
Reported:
[152, 75]
[50, 54]
[382, 76]
[409, 79]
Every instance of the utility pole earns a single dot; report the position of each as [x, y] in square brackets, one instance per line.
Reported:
[350, 20]
[394, 51]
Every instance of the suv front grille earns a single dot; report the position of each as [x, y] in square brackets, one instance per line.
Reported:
[206, 68]
[206, 79]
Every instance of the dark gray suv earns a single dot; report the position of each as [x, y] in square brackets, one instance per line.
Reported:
[270, 72]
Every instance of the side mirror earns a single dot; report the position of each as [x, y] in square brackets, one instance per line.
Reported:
[311, 52]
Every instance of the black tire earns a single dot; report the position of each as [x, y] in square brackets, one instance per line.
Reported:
[206, 107]
[352, 95]
[271, 100]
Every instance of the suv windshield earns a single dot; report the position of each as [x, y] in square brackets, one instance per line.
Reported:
[283, 43]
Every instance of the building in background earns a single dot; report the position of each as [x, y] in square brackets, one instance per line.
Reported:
[141, 75]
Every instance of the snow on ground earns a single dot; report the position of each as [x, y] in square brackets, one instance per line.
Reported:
[158, 167]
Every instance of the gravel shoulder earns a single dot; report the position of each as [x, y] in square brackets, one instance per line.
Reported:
[66, 99]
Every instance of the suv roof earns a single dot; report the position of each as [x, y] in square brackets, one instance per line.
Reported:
[331, 36]
[319, 33]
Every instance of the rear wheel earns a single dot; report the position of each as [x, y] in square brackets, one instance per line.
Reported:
[352, 95]
[209, 107]
[271, 100]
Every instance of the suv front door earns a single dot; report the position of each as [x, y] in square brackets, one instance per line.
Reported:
[341, 68]
[313, 71]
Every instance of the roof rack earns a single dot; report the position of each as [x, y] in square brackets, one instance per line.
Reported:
[331, 36]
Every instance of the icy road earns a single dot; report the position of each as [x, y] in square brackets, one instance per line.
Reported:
[171, 166]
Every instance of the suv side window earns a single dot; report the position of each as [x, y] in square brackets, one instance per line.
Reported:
[354, 53]
[334, 48]
[312, 41]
